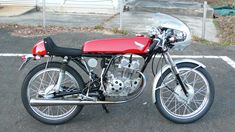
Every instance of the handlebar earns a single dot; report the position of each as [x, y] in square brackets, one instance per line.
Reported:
[165, 38]
[154, 44]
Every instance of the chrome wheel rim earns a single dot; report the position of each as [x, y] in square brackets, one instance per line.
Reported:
[189, 108]
[37, 84]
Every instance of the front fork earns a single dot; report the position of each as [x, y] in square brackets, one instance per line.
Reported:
[175, 70]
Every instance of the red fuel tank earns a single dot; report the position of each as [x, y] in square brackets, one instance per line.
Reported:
[135, 45]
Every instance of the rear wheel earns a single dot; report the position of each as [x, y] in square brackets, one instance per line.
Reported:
[37, 80]
[174, 105]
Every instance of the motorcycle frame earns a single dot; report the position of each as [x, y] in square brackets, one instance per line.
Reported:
[158, 46]
[80, 62]
[83, 65]
[90, 96]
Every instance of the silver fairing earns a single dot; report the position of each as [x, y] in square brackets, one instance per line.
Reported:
[170, 22]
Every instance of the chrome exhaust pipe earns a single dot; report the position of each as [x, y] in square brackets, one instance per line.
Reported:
[49, 102]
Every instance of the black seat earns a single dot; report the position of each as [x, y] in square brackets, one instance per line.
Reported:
[52, 49]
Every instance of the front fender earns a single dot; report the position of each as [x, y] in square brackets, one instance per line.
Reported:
[166, 67]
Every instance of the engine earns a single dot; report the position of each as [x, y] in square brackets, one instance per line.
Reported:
[123, 77]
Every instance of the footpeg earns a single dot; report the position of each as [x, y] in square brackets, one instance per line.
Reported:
[86, 98]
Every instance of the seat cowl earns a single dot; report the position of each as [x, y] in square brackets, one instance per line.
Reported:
[53, 49]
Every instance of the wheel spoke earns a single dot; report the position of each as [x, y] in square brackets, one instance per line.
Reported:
[66, 80]
[33, 95]
[35, 89]
[166, 91]
[169, 79]
[185, 109]
[177, 107]
[51, 77]
[48, 110]
[171, 101]
[63, 110]
[44, 83]
[40, 82]
[189, 107]
[72, 86]
[186, 76]
[165, 84]
[169, 98]
[195, 103]
[195, 76]
[45, 109]
[200, 90]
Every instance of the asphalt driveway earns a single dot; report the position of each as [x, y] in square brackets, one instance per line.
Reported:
[139, 115]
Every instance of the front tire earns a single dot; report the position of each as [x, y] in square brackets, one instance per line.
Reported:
[171, 100]
[38, 79]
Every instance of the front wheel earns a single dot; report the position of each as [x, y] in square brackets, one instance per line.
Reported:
[171, 101]
[39, 79]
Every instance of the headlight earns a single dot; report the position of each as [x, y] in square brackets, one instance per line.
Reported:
[180, 29]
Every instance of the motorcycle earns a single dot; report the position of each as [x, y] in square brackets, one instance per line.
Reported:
[54, 92]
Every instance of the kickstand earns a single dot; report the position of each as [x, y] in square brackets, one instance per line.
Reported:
[105, 108]
[102, 98]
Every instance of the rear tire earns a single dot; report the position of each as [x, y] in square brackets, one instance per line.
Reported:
[175, 108]
[28, 92]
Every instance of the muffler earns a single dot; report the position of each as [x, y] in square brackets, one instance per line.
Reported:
[49, 102]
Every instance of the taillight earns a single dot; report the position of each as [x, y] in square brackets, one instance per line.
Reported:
[39, 48]
[23, 58]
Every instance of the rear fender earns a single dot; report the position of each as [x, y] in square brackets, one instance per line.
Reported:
[166, 67]
[27, 58]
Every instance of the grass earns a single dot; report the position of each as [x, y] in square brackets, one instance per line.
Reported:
[99, 27]
[225, 25]
[116, 30]
[221, 2]
[33, 31]
[217, 2]
[203, 41]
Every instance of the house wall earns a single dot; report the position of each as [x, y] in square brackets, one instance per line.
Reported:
[18, 2]
[93, 6]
